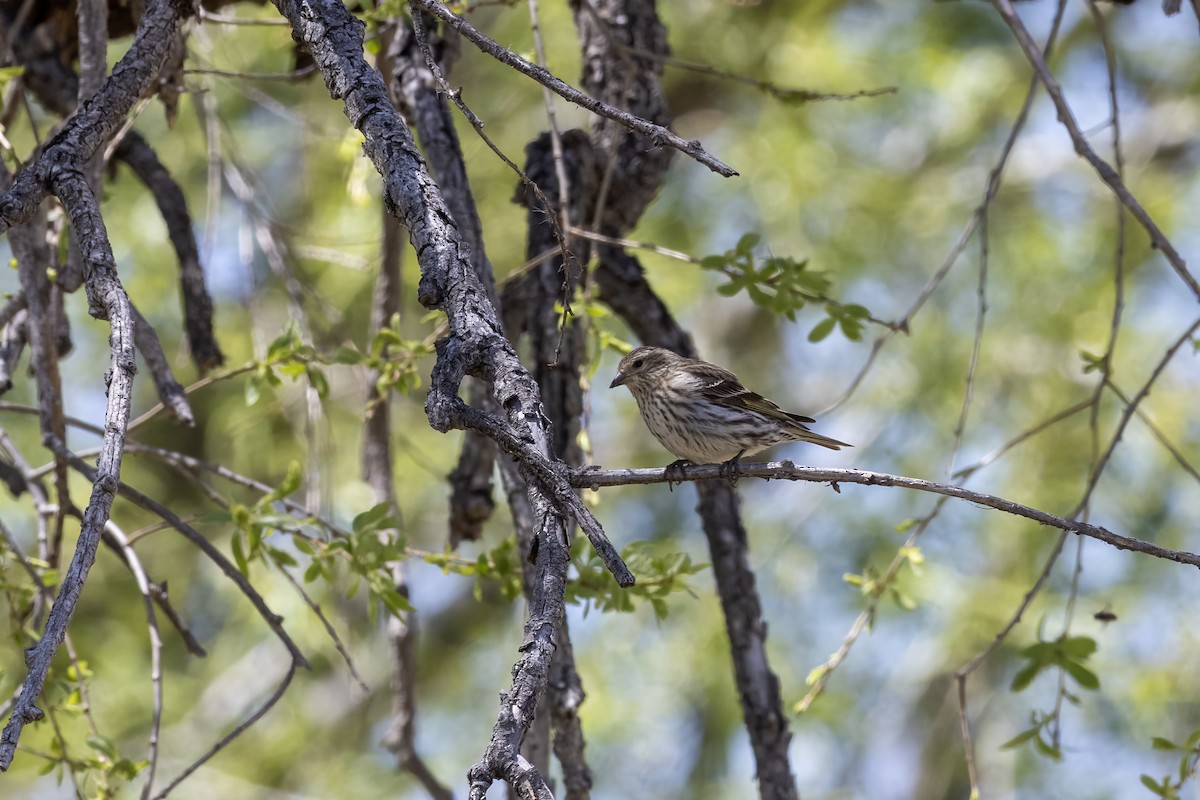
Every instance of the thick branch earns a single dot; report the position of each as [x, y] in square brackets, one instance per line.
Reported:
[108, 300]
[413, 88]
[448, 281]
[83, 134]
[786, 470]
[197, 304]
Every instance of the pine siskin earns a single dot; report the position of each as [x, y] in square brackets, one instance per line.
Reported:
[702, 413]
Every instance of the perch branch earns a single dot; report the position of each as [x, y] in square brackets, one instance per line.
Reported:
[786, 470]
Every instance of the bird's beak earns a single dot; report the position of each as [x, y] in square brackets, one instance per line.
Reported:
[617, 381]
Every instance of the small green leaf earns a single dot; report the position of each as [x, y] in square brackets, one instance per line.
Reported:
[239, 555]
[1082, 675]
[1154, 786]
[1047, 749]
[1160, 743]
[104, 746]
[1078, 648]
[747, 243]
[1021, 738]
[822, 329]
[284, 343]
[346, 355]
[1025, 677]
[375, 518]
[282, 557]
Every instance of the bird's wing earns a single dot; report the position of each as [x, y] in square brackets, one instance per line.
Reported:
[719, 385]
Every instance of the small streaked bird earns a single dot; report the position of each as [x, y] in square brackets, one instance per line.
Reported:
[702, 413]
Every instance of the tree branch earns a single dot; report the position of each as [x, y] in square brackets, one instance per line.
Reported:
[786, 470]
[1107, 174]
[108, 300]
[659, 134]
[83, 134]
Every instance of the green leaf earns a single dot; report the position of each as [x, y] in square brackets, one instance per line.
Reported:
[728, 289]
[346, 355]
[284, 343]
[1025, 677]
[1021, 738]
[1082, 675]
[317, 378]
[128, 769]
[1154, 786]
[1160, 743]
[289, 484]
[239, 555]
[1047, 749]
[282, 557]
[1077, 648]
[822, 329]
[218, 517]
[103, 745]
[396, 603]
[714, 262]
[747, 243]
[376, 518]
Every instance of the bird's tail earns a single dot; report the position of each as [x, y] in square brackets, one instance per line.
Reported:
[802, 434]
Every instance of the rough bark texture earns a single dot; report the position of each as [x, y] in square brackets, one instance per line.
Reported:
[60, 170]
[475, 345]
[635, 173]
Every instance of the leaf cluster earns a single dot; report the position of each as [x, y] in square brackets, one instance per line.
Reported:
[1170, 788]
[783, 285]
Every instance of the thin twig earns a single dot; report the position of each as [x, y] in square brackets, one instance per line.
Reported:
[236, 732]
[1084, 149]
[143, 584]
[784, 93]
[658, 133]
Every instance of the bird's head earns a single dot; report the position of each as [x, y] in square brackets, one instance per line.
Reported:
[645, 367]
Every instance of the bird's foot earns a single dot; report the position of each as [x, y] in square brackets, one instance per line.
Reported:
[675, 472]
[729, 470]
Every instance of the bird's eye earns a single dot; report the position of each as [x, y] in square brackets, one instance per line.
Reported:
[638, 364]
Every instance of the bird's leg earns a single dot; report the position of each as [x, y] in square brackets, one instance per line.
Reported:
[675, 468]
[729, 470]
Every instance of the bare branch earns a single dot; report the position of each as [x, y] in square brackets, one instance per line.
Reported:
[108, 301]
[170, 392]
[786, 470]
[659, 134]
[236, 732]
[273, 620]
[168, 195]
[1107, 174]
[84, 134]
[143, 583]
